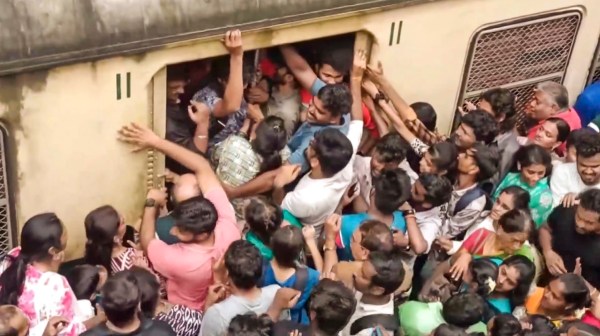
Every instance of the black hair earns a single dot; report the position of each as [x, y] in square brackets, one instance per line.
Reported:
[244, 263]
[375, 236]
[392, 189]
[483, 124]
[101, 227]
[463, 309]
[121, 298]
[483, 271]
[526, 269]
[541, 324]
[176, 73]
[516, 221]
[444, 156]
[505, 325]
[390, 148]
[39, 234]
[196, 215]
[149, 288]
[426, 114]
[220, 71]
[502, 102]
[336, 99]
[250, 325]
[576, 291]
[588, 146]
[520, 196]
[576, 135]
[438, 189]
[389, 272]
[590, 200]
[534, 154]
[562, 127]
[271, 138]
[333, 150]
[84, 280]
[487, 159]
[333, 304]
[263, 217]
[7, 313]
[340, 59]
[287, 244]
[449, 330]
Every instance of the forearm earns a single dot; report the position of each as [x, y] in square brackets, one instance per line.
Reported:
[397, 121]
[406, 112]
[278, 194]
[148, 227]
[234, 90]
[545, 236]
[316, 254]
[193, 161]
[417, 243]
[201, 137]
[260, 184]
[355, 89]
[330, 254]
[359, 204]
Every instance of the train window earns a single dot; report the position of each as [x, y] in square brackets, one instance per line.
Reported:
[519, 55]
[7, 227]
[595, 68]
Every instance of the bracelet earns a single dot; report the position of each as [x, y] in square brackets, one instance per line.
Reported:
[202, 137]
[379, 96]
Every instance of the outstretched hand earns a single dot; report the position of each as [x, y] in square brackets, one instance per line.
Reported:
[141, 137]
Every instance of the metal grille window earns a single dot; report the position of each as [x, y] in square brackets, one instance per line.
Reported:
[595, 69]
[6, 225]
[517, 56]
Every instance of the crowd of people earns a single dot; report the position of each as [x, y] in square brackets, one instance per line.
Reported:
[312, 199]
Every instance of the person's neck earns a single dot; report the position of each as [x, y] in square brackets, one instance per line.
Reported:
[43, 267]
[374, 299]
[286, 89]
[130, 327]
[316, 174]
[376, 214]
[465, 181]
[250, 294]
[210, 241]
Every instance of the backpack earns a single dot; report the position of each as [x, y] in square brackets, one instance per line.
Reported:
[386, 321]
[301, 278]
[466, 199]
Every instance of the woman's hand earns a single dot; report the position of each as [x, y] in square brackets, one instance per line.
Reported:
[554, 263]
[460, 266]
[141, 137]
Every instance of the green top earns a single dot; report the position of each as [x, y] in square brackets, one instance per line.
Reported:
[540, 196]
[265, 250]
[420, 319]
[163, 229]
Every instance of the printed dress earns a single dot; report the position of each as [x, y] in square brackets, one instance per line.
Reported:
[45, 295]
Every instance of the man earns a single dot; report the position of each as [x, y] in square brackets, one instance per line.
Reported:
[570, 179]
[330, 155]
[121, 299]
[184, 188]
[244, 266]
[551, 99]
[475, 126]
[572, 235]
[285, 99]
[205, 226]
[330, 306]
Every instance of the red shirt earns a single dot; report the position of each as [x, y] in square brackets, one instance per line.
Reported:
[570, 116]
[367, 119]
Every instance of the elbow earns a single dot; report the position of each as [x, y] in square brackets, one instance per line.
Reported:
[420, 249]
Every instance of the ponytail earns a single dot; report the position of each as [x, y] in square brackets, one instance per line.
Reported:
[101, 227]
[12, 279]
[271, 138]
[97, 253]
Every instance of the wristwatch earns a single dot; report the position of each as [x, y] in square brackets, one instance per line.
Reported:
[150, 203]
[409, 212]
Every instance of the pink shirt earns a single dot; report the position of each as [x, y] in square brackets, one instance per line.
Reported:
[188, 267]
[570, 116]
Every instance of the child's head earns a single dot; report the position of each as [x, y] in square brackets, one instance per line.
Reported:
[263, 217]
[244, 265]
[482, 276]
[464, 309]
[504, 325]
[287, 244]
[391, 190]
[372, 235]
[86, 281]
[12, 321]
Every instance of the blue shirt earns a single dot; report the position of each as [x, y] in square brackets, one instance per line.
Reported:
[298, 313]
[305, 133]
[588, 103]
[350, 223]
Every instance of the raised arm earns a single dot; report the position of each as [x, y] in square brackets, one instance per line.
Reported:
[358, 69]
[143, 138]
[299, 67]
[234, 89]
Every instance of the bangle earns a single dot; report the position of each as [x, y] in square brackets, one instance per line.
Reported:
[202, 137]
[379, 96]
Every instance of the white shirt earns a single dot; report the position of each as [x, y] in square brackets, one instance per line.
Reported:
[430, 224]
[313, 200]
[363, 309]
[362, 175]
[565, 179]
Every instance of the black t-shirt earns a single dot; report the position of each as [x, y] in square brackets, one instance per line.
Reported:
[147, 328]
[571, 245]
[284, 328]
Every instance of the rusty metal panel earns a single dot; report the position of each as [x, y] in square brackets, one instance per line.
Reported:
[519, 55]
[7, 227]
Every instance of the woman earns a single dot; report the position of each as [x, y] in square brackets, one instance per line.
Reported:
[30, 280]
[240, 158]
[514, 228]
[564, 299]
[510, 198]
[534, 166]
[183, 320]
[515, 276]
[551, 135]
[105, 230]
[263, 218]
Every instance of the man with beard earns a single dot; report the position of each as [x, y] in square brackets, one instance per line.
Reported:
[572, 236]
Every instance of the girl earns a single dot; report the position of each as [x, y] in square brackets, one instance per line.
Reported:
[86, 281]
[534, 167]
[551, 135]
[263, 218]
[30, 280]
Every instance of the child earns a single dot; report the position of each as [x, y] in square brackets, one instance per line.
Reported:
[12, 321]
[86, 281]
